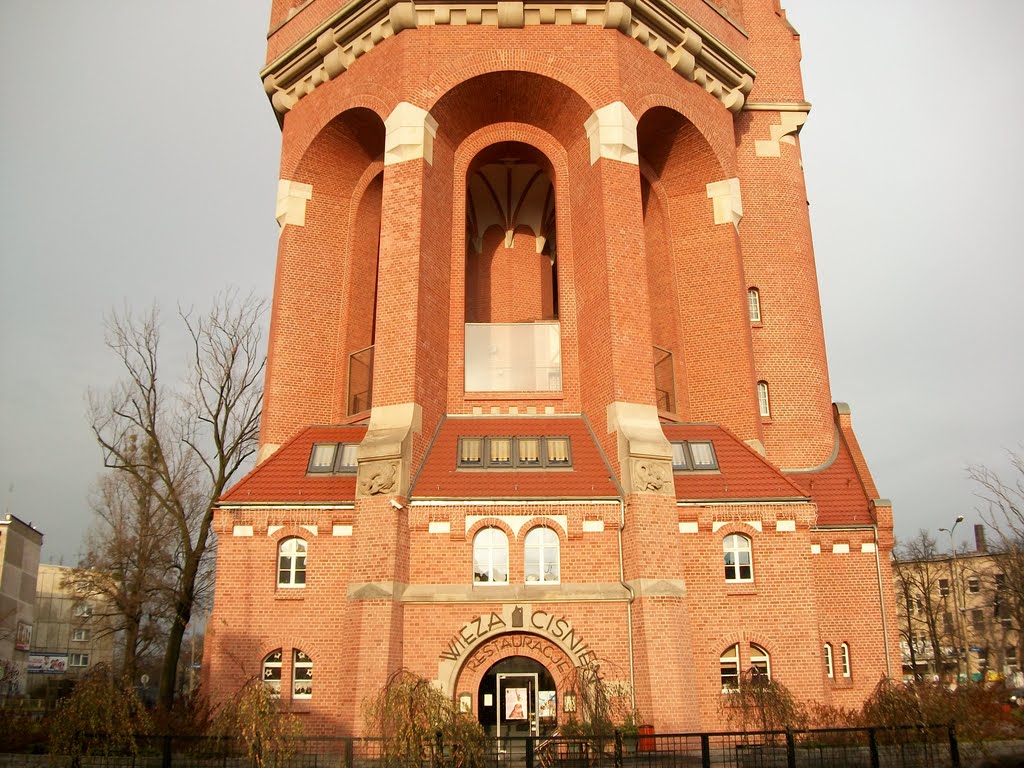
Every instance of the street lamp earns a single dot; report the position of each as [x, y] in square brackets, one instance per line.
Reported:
[956, 602]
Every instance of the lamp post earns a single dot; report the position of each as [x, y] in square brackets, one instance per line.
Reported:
[956, 601]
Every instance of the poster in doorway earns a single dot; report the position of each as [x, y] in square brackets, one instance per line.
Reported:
[546, 705]
[515, 703]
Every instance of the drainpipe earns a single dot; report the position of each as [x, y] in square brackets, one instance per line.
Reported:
[629, 603]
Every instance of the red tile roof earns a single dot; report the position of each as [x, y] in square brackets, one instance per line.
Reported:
[589, 476]
[838, 491]
[742, 472]
[282, 478]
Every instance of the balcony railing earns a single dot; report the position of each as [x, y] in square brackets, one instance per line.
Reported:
[360, 381]
[664, 380]
[513, 357]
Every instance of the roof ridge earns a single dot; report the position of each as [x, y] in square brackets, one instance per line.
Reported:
[764, 460]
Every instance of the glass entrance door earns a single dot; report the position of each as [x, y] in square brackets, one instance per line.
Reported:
[517, 704]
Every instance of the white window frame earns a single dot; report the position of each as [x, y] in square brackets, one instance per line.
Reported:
[845, 658]
[80, 635]
[289, 553]
[485, 545]
[272, 671]
[764, 404]
[761, 659]
[830, 670]
[754, 304]
[737, 545]
[544, 542]
[731, 657]
[973, 585]
[78, 660]
[82, 610]
[302, 664]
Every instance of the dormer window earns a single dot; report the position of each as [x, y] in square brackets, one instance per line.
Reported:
[332, 459]
[498, 453]
[693, 455]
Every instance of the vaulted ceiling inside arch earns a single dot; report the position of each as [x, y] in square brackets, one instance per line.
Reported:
[510, 194]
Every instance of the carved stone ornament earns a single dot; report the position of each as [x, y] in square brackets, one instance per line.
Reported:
[381, 478]
[651, 476]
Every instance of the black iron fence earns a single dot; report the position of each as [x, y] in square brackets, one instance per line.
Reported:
[907, 747]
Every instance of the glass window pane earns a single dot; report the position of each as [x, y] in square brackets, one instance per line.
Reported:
[529, 450]
[703, 455]
[469, 450]
[323, 457]
[558, 450]
[347, 456]
[679, 455]
[500, 450]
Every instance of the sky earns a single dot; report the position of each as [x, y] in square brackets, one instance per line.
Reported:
[139, 163]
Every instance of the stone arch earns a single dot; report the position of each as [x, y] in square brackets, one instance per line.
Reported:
[466, 677]
[552, 155]
[714, 125]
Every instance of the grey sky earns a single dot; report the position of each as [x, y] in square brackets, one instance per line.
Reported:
[138, 163]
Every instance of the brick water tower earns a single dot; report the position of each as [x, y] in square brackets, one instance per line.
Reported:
[547, 395]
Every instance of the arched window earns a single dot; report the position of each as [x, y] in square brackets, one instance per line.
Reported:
[763, 404]
[291, 563]
[302, 675]
[272, 672]
[730, 666]
[541, 565]
[830, 670]
[737, 553]
[490, 557]
[760, 663]
[846, 659]
[754, 303]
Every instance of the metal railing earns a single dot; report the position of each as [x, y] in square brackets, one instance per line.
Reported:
[906, 747]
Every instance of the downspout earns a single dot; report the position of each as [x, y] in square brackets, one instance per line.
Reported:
[622, 567]
[881, 604]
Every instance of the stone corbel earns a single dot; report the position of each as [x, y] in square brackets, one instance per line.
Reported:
[385, 455]
[726, 198]
[291, 202]
[789, 125]
[645, 455]
[409, 134]
[612, 133]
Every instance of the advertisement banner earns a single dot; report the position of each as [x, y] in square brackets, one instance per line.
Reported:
[47, 664]
[23, 637]
[515, 703]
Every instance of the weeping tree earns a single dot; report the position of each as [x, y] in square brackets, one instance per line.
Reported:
[603, 705]
[763, 704]
[409, 712]
[179, 443]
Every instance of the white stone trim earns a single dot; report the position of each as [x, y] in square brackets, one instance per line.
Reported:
[439, 526]
[868, 547]
[661, 26]
[341, 530]
[311, 528]
[727, 201]
[291, 209]
[690, 526]
[789, 125]
[272, 529]
[409, 134]
[755, 524]
[841, 549]
[785, 526]
[242, 530]
[612, 133]
[593, 526]
[815, 549]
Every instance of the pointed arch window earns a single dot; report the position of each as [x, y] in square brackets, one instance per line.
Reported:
[542, 556]
[291, 563]
[490, 557]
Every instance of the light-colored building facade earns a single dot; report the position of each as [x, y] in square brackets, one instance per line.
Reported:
[956, 616]
[72, 633]
[20, 544]
[547, 387]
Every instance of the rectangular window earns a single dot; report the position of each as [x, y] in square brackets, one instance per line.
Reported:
[1011, 654]
[974, 585]
[332, 458]
[78, 660]
[498, 453]
[944, 587]
[947, 621]
[693, 455]
[978, 618]
[82, 610]
[80, 635]
[1000, 580]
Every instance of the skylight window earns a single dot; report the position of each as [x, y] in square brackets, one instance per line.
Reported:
[333, 459]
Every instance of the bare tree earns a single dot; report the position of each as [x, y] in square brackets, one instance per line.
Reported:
[194, 437]
[919, 584]
[1002, 508]
[128, 562]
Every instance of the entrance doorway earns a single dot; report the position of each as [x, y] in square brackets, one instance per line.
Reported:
[517, 698]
